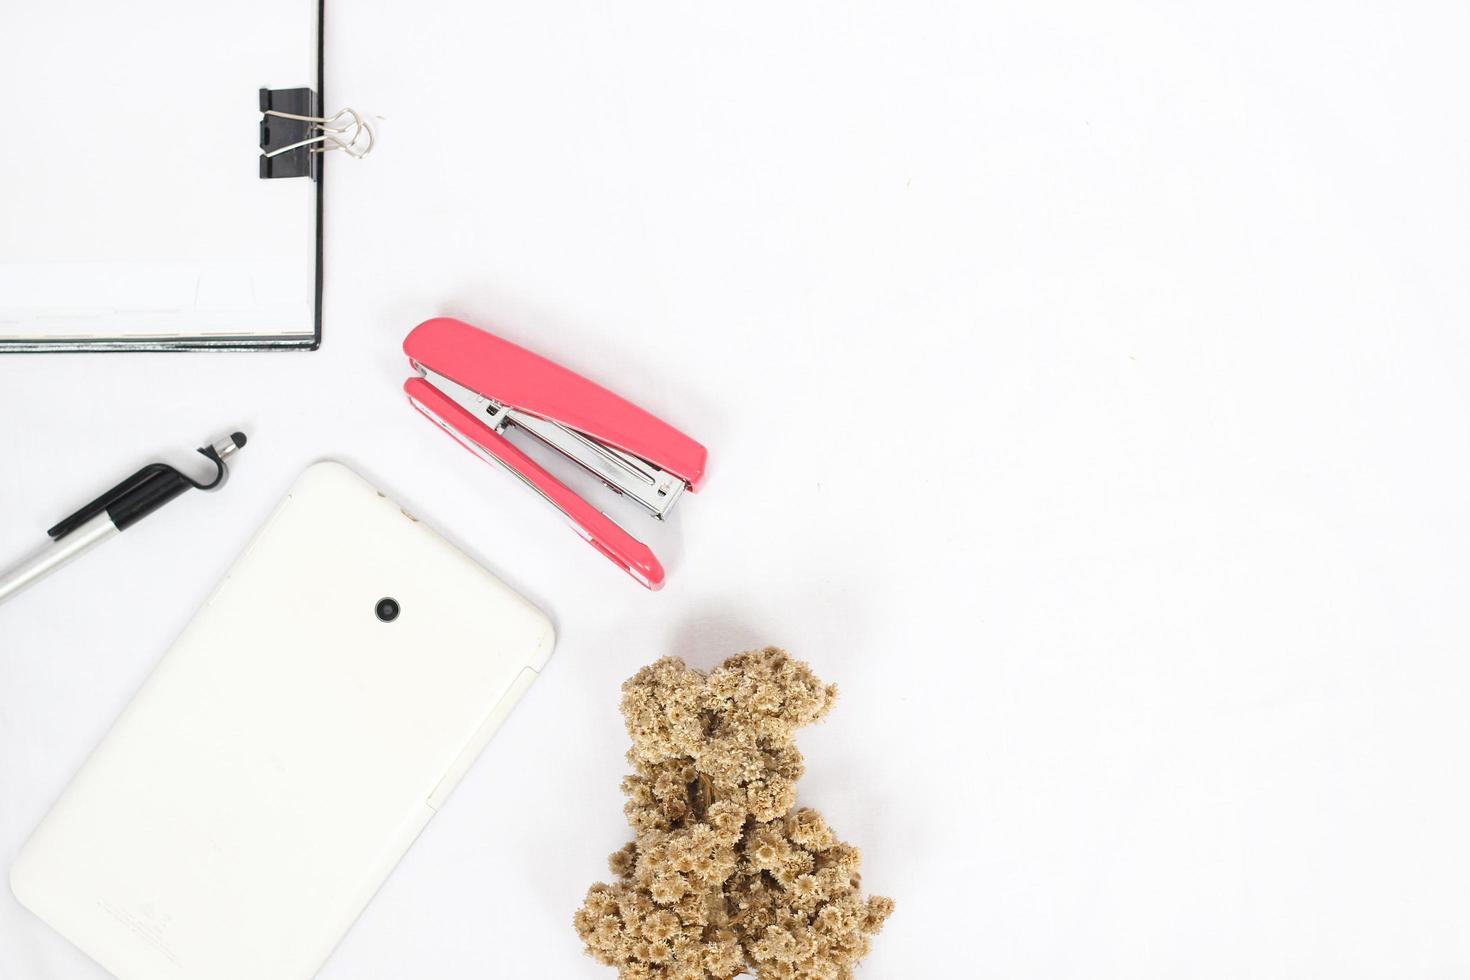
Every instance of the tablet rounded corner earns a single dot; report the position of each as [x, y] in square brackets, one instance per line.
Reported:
[544, 649]
[20, 882]
[327, 469]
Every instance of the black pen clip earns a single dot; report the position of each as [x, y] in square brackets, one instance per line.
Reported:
[149, 489]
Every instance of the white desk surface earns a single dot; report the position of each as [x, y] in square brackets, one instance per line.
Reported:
[1085, 386]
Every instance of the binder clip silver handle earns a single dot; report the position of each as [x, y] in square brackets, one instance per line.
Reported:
[345, 130]
[295, 134]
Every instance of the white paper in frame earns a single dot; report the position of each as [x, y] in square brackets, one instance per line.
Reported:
[134, 216]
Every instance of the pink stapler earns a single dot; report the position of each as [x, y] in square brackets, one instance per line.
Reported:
[477, 386]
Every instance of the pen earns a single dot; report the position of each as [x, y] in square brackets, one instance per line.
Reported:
[115, 511]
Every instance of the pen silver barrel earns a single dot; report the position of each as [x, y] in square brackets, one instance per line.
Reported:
[56, 554]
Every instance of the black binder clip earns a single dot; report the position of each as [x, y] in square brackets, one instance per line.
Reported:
[294, 134]
[285, 133]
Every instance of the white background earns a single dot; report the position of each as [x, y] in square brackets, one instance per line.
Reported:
[1085, 389]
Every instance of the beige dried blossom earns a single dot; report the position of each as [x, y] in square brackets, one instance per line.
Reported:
[725, 878]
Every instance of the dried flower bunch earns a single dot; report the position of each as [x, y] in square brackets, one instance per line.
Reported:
[725, 878]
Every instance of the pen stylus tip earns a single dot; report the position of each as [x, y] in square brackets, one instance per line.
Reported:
[228, 446]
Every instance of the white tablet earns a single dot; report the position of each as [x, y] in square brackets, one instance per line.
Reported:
[288, 749]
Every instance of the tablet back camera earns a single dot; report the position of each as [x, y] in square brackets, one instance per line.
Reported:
[387, 609]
